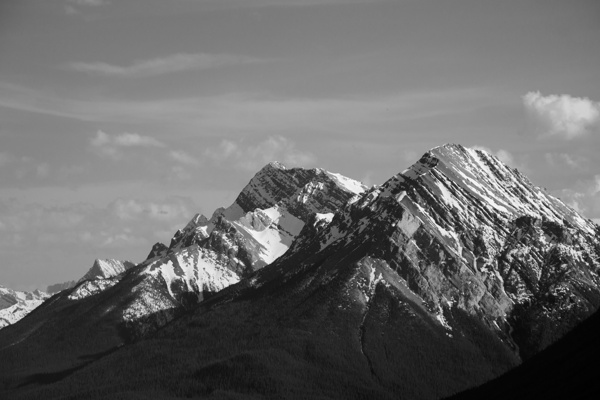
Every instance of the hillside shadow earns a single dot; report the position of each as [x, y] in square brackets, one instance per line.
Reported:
[48, 378]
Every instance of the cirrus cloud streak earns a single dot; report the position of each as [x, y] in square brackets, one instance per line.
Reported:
[164, 65]
[250, 112]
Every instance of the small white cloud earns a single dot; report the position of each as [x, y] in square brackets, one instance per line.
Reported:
[562, 115]
[111, 145]
[158, 66]
[133, 139]
[125, 140]
[71, 6]
[183, 158]
[506, 157]
[169, 210]
[253, 157]
[503, 155]
[174, 164]
[89, 3]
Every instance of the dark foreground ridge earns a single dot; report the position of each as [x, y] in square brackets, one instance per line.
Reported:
[311, 285]
[567, 369]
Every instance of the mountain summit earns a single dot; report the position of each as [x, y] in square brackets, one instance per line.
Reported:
[461, 230]
[450, 273]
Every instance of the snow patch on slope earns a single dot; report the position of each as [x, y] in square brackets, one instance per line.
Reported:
[346, 183]
[16, 312]
[92, 287]
[192, 269]
[275, 238]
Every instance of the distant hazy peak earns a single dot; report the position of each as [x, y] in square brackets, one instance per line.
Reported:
[106, 268]
[58, 287]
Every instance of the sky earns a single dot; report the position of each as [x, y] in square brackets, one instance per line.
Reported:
[121, 119]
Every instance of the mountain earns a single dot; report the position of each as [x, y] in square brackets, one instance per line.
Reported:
[103, 274]
[208, 255]
[14, 305]
[58, 287]
[312, 286]
[107, 268]
[463, 231]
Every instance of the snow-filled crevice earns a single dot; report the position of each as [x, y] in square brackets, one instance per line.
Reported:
[361, 337]
[369, 294]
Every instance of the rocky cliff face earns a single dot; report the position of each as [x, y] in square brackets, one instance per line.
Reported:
[459, 229]
[208, 255]
[267, 215]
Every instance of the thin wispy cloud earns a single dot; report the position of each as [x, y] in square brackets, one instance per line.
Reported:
[256, 113]
[281, 3]
[562, 116]
[164, 65]
[91, 3]
[502, 155]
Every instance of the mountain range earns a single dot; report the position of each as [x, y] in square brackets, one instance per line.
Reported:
[312, 285]
[15, 304]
